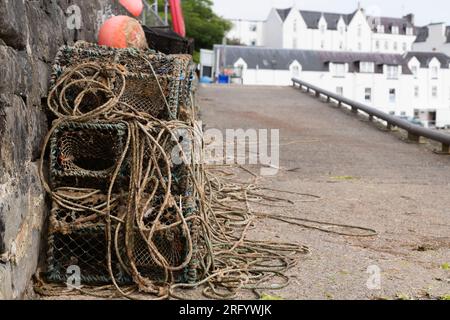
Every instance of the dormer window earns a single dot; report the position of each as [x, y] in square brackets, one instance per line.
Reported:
[409, 31]
[392, 72]
[295, 71]
[339, 70]
[434, 72]
[341, 30]
[294, 27]
[380, 28]
[366, 67]
[394, 29]
[322, 28]
[414, 71]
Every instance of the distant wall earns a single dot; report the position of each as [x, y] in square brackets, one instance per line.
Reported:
[30, 34]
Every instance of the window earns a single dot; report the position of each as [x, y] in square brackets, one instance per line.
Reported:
[294, 43]
[380, 28]
[392, 95]
[341, 30]
[253, 27]
[377, 45]
[409, 31]
[414, 71]
[253, 42]
[392, 72]
[322, 28]
[434, 72]
[366, 67]
[395, 29]
[294, 27]
[322, 44]
[368, 94]
[359, 30]
[341, 46]
[403, 113]
[416, 91]
[295, 71]
[340, 91]
[392, 113]
[386, 45]
[434, 92]
[395, 46]
[339, 70]
[405, 46]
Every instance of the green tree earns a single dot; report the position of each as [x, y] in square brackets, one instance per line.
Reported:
[202, 24]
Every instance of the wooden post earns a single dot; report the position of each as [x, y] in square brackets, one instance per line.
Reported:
[414, 138]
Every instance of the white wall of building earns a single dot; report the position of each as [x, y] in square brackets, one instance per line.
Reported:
[293, 33]
[273, 31]
[248, 32]
[354, 85]
[436, 41]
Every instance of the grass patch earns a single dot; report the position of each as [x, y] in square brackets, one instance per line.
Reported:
[269, 297]
[344, 178]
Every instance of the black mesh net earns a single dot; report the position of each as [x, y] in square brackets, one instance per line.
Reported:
[86, 154]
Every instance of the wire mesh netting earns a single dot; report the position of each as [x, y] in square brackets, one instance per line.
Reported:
[150, 82]
[85, 153]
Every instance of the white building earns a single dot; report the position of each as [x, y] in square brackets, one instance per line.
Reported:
[248, 32]
[434, 37]
[415, 84]
[313, 30]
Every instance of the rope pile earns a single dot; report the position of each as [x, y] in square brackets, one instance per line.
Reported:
[124, 211]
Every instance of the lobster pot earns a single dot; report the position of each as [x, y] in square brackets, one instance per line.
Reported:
[78, 238]
[152, 83]
[86, 249]
[86, 154]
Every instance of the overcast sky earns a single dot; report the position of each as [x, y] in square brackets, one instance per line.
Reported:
[426, 11]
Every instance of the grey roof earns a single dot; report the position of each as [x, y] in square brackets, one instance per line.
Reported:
[311, 60]
[422, 34]
[283, 13]
[388, 23]
[312, 19]
[426, 57]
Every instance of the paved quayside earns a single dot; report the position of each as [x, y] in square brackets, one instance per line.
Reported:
[366, 177]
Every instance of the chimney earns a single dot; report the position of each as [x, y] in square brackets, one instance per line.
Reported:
[360, 8]
[410, 18]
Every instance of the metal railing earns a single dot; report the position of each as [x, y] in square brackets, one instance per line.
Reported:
[415, 132]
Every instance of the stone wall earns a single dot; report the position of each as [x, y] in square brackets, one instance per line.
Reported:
[31, 31]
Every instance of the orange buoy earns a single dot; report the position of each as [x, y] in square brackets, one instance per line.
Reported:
[122, 32]
[134, 7]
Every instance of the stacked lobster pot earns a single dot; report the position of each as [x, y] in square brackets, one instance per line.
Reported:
[123, 211]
